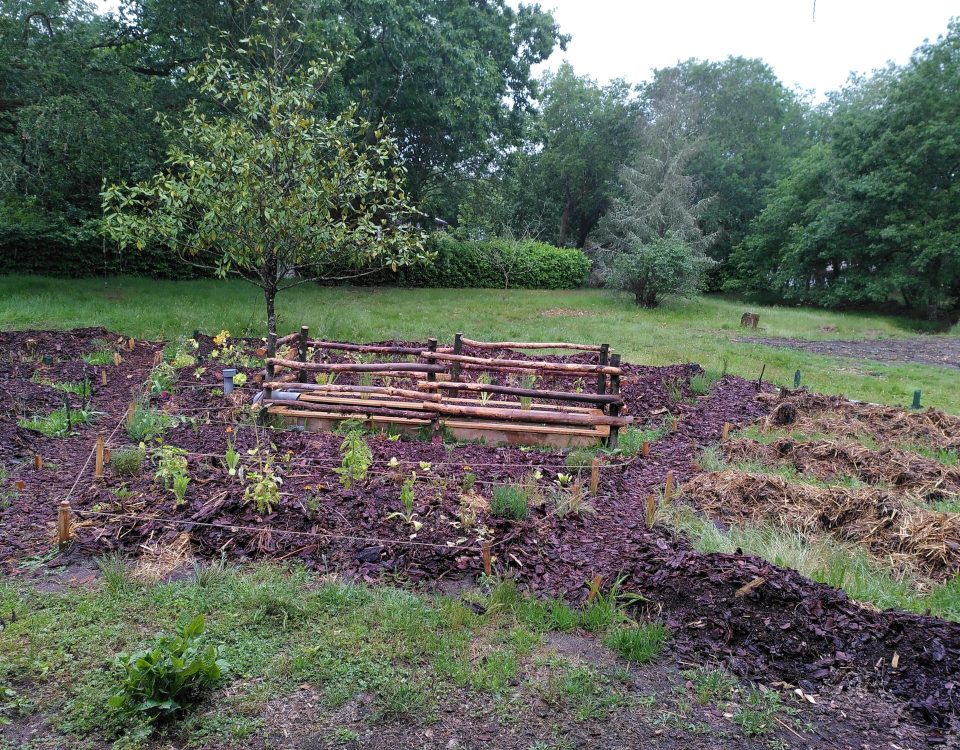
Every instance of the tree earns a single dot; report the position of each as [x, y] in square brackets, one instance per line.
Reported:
[587, 132]
[260, 183]
[665, 265]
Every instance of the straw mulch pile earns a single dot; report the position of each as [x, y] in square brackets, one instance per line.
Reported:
[815, 413]
[889, 526]
[829, 460]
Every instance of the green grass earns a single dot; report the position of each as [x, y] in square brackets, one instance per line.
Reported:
[510, 501]
[821, 558]
[678, 331]
[56, 423]
[638, 643]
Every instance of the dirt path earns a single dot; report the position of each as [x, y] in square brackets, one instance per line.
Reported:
[941, 351]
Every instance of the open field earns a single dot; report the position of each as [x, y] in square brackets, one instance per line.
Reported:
[695, 330]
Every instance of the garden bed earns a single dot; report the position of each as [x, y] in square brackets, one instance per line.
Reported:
[781, 628]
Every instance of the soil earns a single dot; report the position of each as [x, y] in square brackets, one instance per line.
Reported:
[786, 629]
[943, 351]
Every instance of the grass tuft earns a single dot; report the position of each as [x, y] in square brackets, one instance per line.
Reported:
[638, 643]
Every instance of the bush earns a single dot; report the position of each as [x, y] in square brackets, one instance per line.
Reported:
[162, 681]
[495, 263]
[667, 265]
[148, 423]
[509, 501]
[127, 462]
[640, 643]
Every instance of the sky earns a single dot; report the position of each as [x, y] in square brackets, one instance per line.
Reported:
[815, 51]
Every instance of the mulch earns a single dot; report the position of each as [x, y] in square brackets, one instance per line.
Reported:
[785, 628]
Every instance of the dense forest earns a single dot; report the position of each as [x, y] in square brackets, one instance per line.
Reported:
[714, 169]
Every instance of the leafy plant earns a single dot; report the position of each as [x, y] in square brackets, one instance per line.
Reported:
[263, 484]
[356, 460]
[180, 483]
[127, 462]
[99, 357]
[580, 459]
[160, 682]
[406, 500]
[162, 378]
[57, 423]
[171, 463]
[240, 380]
[148, 423]
[232, 459]
[325, 378]
[468, 481]
[528, 382]
[605, 610]
[571, 500]
[509, 501]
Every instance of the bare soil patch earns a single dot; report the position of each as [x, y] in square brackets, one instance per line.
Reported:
[942, 351]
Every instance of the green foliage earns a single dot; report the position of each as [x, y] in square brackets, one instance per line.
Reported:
[407, 497]
[710, 685]
[162, 378]
[99, 357]
[510, 501]
[148, 423]
[57, 423]
[127, 462]
[263, 483]
[664, 266]
[162, 681]
[638, 643]
[356, 460]
[607, 609]
[758, 713]
[580, 459]
[491, 263]
[172, 470]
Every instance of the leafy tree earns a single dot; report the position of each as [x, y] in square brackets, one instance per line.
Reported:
[664, 265]
[266, 186]
[587, 132]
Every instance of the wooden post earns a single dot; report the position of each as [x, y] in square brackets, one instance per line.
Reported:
[98, 470]
[117, 359]
[107, 455]
[19, 485]
[66, 413]
[487, 559]
[64, 532]
[594, 587]
[103, 377]
[37, 461]
[302, 352]
[668, 488]
[455, 367]
[651, 511]
[131, 411]
[604, 358]
[594, 475]
[645, 448]
[432, 346]
[676, 424]
[726, 432]
[132, 344]
[614, 438]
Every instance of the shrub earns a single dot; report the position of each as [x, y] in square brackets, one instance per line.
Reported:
[127, 462]
[509, 501]
[493, 263]
[164, 680]
[148, 423]
[356, 460]
[665, 266]
[640, 643]
[57, 423]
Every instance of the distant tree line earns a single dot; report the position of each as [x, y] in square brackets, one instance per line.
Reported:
[711, 174]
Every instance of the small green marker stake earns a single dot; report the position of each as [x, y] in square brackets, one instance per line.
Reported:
[916, 399]
[796, 379]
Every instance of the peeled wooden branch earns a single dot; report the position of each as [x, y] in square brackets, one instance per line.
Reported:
[355, 367]
[507, 390]
[564, 367]
[358, 389]
[525, 415]
[370, 348]
[530, 345]
[348, 410]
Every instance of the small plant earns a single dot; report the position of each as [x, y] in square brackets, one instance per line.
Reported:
[606, 610]
[509, 501]
[99, 357]
[180, 483]
[148, 424]
[758, 713]
[162, 378]
[357, 458]
[127, 462]
[528, 382]
[580, 459]
[639, 643]
[263, 488]
[240, 380]
[171, 463]
[407, 497]
[674, 389]
[162, 681]
[484, 379]
[232, 459]
[325, 378]
[632, 438]
[564, 480]
[571, 501]
[57, 423]
[468, 481]
[710, 685]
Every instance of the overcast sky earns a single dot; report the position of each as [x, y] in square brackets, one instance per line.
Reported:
[629, 38]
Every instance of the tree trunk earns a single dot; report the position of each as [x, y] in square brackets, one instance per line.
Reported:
[587, 226]
[270, 296]
[565, 221]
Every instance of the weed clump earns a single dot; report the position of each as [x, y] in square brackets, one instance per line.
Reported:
[127, 462]
[639, 643]
[510, 501]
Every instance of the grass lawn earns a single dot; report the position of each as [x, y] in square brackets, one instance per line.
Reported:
[698, 330]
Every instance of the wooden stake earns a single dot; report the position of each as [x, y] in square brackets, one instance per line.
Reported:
[651, 510]
[64, 532]
[594, 587]
[103, 377]
[117, 359]
[302, 352]
[613, 438]
[668, 488]
[98, 471]
[132, 344]
[645, 448]
[37, 461]
[487, 559]
[594, 475]
[20, 485]
[676, 424]
[107, 455]
[131, 411]
[726, 432]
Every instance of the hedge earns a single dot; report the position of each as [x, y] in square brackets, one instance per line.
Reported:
[468, 263]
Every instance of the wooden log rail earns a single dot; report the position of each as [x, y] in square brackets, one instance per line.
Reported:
[366, 348]
[531, 345]
[335, 389]
[507, 390]
[522, 364]
[382, 367]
